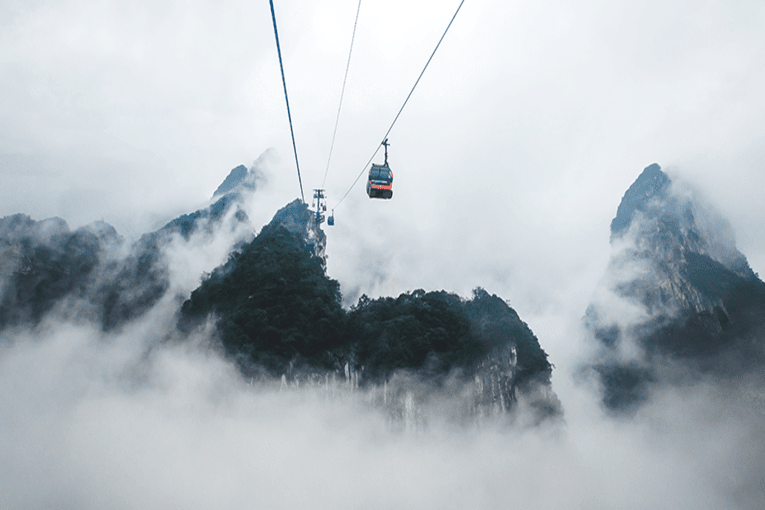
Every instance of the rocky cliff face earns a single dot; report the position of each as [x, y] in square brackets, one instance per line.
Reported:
[676, 291]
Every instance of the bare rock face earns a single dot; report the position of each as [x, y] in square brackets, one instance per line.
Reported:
[413, 399]
[677, 292]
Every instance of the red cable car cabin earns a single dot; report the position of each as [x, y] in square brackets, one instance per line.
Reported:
[380, 182]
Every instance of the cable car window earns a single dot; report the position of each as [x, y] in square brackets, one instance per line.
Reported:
[380, 173]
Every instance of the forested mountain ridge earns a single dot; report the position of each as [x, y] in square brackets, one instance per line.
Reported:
[278, 313]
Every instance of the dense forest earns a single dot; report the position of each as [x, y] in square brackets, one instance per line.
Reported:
[275, 307]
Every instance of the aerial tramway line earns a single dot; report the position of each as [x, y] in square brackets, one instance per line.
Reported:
[380, 182]
[380, 177]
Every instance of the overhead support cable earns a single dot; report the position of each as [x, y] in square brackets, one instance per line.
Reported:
[286, 98]
[342, 93]
[402, 106]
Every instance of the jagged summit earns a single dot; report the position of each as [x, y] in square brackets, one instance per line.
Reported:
[293, 216]
[235, 190]
[234, 178]
[241, 178]
[676, 288]
[650, 183]
[664, 221]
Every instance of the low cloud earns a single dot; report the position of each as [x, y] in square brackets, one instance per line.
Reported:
[125, 421]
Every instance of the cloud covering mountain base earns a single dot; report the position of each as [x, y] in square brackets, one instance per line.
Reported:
[94, 421]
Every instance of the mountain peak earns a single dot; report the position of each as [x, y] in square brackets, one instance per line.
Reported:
[293, 216]
[298, 219]
[649, 184]
[676, 288]
[241, 177]
[234, 178]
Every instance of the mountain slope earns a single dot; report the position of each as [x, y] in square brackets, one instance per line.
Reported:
[676, 292]
[43, 262]
[278, 314]
[274, 302]
[91, 273]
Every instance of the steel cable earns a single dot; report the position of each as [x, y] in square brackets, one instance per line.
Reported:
[286, 98]
[402, 106]
[342, 93]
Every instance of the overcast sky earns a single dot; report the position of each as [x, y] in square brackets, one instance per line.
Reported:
[509, 161]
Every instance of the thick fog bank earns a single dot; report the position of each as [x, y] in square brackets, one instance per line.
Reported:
[122, 421]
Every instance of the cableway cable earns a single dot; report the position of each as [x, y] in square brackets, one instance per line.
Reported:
[402, 106]
[289, 116]
[342, 93]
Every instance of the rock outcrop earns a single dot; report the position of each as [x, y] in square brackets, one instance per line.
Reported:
[677, 293]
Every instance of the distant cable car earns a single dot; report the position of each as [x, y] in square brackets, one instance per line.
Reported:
[331, 219]
[380, 182]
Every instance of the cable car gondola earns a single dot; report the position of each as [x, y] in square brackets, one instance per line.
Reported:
[380, 182]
